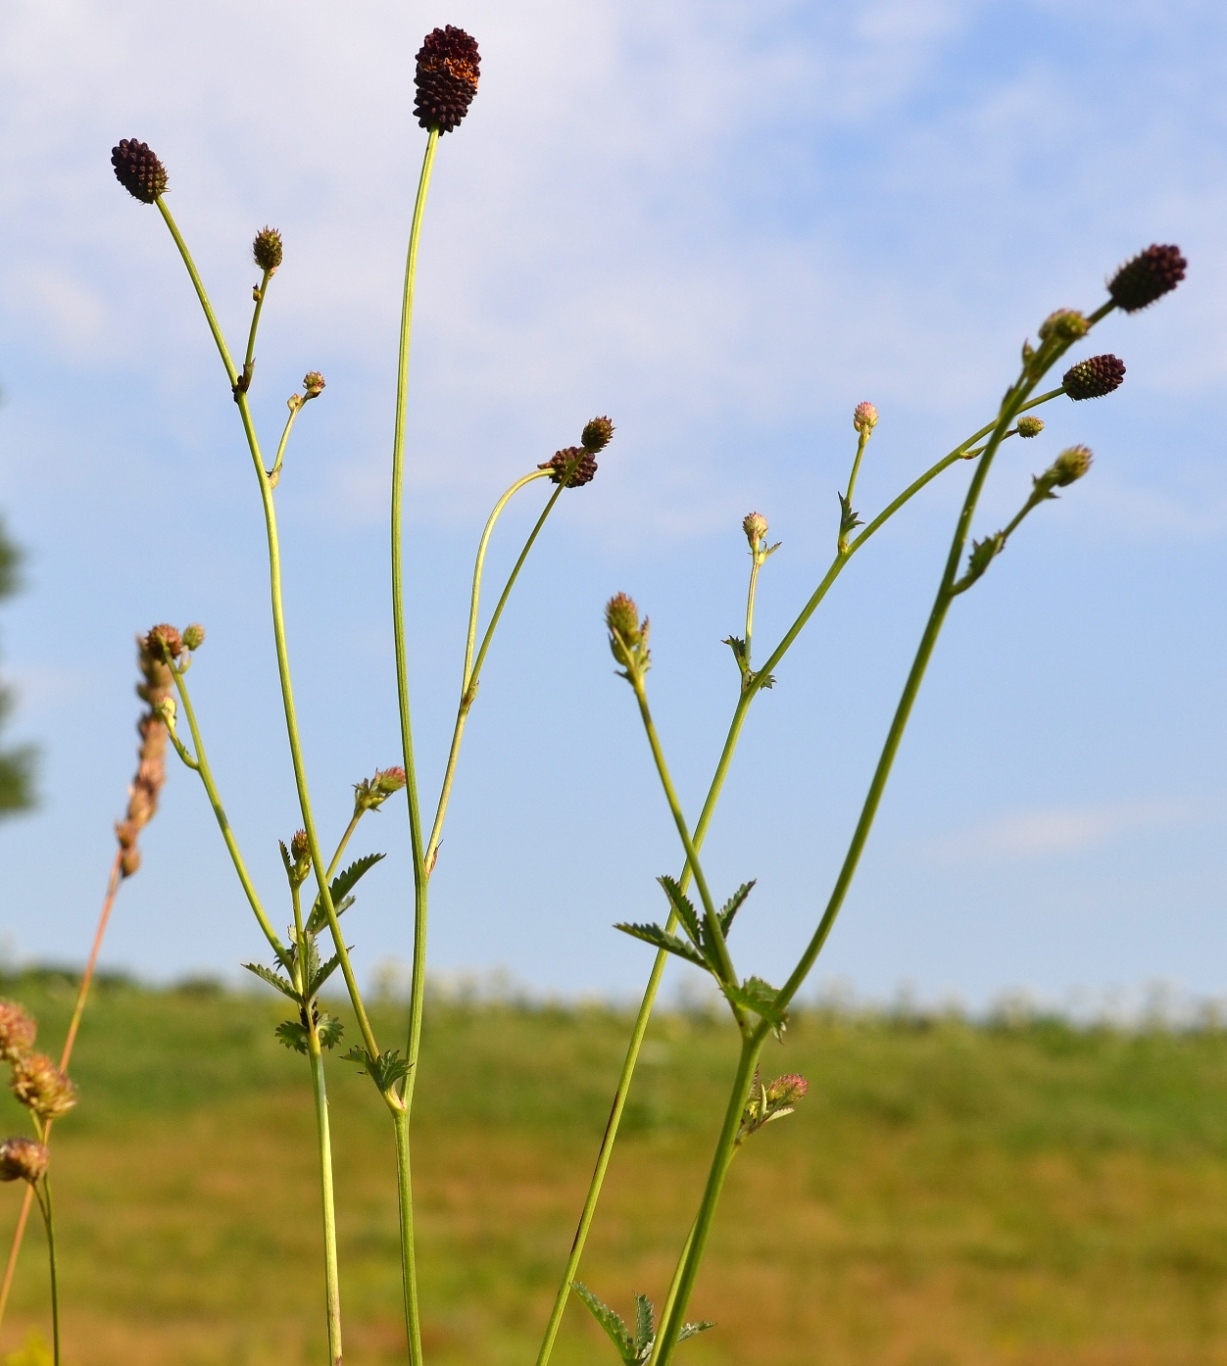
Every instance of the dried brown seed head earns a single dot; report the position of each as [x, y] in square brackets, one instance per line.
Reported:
[448, 68]
[138, 170]
[1094, 377]
[1147, 277]
[40, 1086]
[22, 1159]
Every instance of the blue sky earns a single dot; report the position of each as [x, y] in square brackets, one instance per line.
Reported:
[724, 224]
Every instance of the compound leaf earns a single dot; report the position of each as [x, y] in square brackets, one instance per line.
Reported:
[684, 909]
[292, 1035]
[340, 887]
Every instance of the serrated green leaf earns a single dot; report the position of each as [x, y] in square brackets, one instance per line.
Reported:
[645, 1327]
[690, 1329]
[654, 935]
[385, 1070]
[274, 979]
[340, 887]
[738, 647]
[611, 1321]
[684, 909]
[293, 1035]
[733, 905]
[329, 1030]
[759, 996]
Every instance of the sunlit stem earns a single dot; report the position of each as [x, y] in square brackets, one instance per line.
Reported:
[417, 988]
[274, 475]
[470, 678]
[261, 290]
[716, 935]
[201, 764]
[279, 637]
[332, 1281]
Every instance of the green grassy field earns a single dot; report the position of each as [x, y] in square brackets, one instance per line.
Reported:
[948, 1193]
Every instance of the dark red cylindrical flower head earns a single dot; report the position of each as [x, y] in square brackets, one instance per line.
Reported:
[1149, 276]
[1095, 377]
[446, 80]
[138, 170]
[578, 460]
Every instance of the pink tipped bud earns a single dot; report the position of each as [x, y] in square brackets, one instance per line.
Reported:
[17, 1031]
[864, 418]
[22, 1159]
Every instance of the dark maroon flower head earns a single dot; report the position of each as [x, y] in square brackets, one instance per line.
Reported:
[1095, 377]
[1149, 276]
[579, 461]
[446, 80]
[138, 170]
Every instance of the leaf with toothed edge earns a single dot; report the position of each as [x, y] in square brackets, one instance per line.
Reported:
[733, 905]
[340, 888]
[684, 909]
[612, 1322]
[293, 1035]
[274, 979]
[645, 1327]
[385, 1070]
[658, 938]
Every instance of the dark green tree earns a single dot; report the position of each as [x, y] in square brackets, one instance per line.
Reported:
[16, 765]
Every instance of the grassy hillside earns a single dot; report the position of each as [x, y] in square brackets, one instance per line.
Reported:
[947, 1193]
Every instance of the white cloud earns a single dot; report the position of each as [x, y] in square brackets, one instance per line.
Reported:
[1052, 831]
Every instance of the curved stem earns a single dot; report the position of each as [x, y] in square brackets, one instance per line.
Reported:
[345, 838]
[223, 822]
[201, 292]
[471, 675]
[417, 989]
[274, 475]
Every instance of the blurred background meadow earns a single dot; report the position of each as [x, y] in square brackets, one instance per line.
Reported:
[724, 224]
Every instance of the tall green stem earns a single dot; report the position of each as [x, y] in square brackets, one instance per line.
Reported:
[44, 1204]
[417, 989]
[332, 1283]
[696, 1244]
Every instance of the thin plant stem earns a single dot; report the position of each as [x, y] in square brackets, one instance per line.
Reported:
[417, 989]
[715, 789]
[692, 856]
[250, 358]
[274, 475]
[692, 1255]
[201, 759]
[332, 1284]
[471, 675]
[756, 563]
[44, 1204]
[283, 662]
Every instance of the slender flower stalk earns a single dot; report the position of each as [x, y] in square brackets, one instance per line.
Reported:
[417, 990]
[43, 1196]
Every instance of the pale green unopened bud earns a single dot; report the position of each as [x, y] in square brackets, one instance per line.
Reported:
[1069, 466]
[193, 636]
[1030, 426]
[1066, 324]
[313, 385]
[628, 636]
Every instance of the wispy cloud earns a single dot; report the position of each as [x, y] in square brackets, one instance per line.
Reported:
[1052, 831]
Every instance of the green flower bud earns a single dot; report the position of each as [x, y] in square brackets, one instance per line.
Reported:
[1030, 426]
[267, 249]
